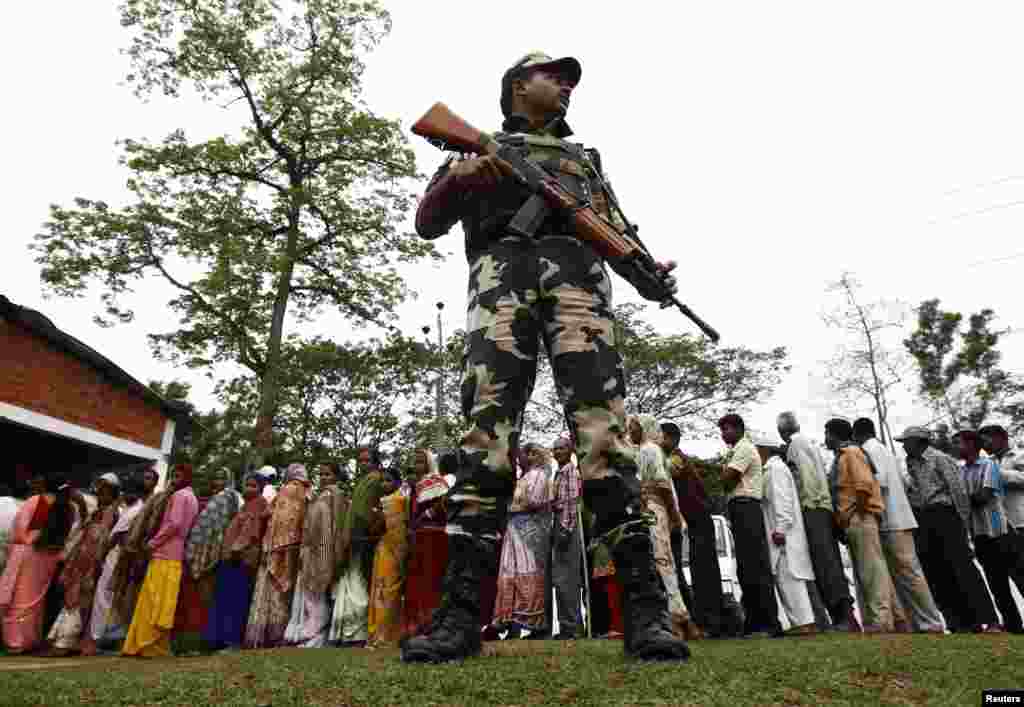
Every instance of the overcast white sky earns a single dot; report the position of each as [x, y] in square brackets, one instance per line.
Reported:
[766, 146]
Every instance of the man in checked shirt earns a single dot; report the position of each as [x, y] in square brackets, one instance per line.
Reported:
[938, 495]
[565, 541]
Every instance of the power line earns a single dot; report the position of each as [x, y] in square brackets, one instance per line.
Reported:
[1000, 259]
[981, 185]
[976, 212]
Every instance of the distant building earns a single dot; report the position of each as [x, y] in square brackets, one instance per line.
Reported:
[66, 407]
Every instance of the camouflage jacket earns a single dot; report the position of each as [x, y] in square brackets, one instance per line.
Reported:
[485, 215]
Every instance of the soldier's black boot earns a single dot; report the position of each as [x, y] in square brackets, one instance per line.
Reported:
[454, 631]
[646, 621]
[615, 502]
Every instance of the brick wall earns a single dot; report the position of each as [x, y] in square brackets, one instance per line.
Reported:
[39, 377]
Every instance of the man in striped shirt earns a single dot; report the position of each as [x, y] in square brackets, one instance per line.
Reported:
[995, 541]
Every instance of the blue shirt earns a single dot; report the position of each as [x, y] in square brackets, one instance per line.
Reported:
[990, 519]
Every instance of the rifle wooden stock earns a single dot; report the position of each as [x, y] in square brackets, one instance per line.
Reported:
[442, 127]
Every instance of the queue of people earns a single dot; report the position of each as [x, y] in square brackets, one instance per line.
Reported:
[144, 571]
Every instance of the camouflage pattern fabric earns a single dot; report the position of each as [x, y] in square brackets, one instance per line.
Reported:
[523, 292]
[554, 289]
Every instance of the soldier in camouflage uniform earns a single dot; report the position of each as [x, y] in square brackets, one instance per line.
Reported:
[527, 285]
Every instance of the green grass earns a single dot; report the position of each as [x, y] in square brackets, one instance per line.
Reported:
[824, 670]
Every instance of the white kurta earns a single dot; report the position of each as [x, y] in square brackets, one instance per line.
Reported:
[781, 507]
[791, 562]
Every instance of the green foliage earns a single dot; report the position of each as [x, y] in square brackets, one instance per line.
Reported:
[959, 370]
[679, 377]
[298, 211]
[337, 397]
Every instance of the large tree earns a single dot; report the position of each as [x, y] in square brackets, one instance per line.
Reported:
[337, 397]
[679, 377]
[866, 365]
[960, 371]
[298, 211]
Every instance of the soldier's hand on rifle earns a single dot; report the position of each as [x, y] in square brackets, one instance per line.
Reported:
[481, 172]
[665, 269]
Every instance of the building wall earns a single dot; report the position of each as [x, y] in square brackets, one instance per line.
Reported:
[39, 377]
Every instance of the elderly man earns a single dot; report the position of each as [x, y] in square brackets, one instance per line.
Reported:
[896, 532]
[857, 499]
[566, 551]
[812, 486]
[744, 480]
[939, 499]
[995, 541]
[784, 525]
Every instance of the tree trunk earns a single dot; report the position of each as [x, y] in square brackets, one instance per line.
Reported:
[270, 383]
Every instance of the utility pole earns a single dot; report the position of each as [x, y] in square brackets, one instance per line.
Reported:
[439, 411]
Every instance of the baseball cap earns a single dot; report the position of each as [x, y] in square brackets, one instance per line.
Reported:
[534, 60]
[914, 432]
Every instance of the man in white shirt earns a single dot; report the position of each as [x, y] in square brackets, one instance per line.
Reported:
[896, 531]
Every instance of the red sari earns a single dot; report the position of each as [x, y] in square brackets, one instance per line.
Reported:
[428, 554]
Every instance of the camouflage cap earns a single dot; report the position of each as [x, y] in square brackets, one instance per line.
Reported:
[535, 60]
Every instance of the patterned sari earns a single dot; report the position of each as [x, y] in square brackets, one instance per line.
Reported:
[275, 583]
[133, 559]
[384, 618]
[103, 602]
[78, 578]
[522, 574]
[321, 539]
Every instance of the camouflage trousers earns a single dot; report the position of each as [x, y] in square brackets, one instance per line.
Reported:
[523, 292]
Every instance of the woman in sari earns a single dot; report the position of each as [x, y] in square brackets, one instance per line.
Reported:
[272, 597]
[41, 528]
[384, 617]
[103, 624]
[522, 575]
[133, 560]
[310, 621]
[428, 551]
[202, 553]
[81, 568]
[236, 569]
[149, 635]
[360, 532]
[659, 497]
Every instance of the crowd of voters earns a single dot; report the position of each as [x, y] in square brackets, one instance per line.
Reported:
[298, 561]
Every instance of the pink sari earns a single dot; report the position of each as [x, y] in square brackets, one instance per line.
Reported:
[25, 580]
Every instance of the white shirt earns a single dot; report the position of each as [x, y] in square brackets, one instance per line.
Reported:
[898, 514]
[781, 508]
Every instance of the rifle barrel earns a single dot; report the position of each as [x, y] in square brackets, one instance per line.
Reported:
[701, 324]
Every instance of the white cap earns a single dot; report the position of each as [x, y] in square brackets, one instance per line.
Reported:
[267, 471]
[110, 478]
[763, 440]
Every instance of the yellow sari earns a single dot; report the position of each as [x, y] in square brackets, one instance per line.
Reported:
[385, 611]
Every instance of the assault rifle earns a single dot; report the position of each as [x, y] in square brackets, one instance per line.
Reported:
[443, 128]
